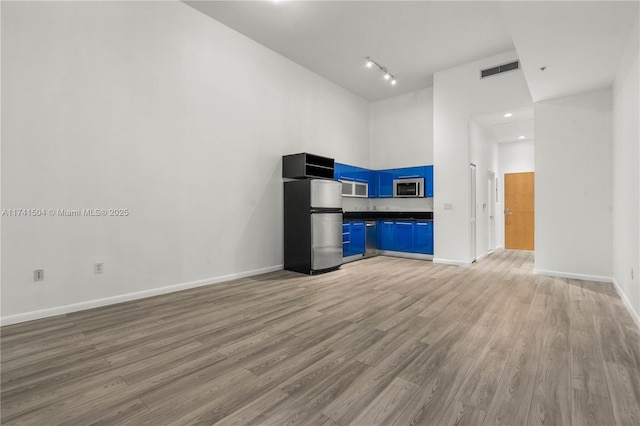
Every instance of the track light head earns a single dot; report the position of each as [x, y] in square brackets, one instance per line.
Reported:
[387, 75]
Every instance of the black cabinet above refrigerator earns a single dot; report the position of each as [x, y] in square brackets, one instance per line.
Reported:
[304, 165]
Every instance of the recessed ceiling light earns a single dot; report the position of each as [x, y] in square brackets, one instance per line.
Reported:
[507, 115]
[520, 137]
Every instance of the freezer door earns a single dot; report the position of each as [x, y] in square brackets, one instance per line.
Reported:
[326, 194]
[326, 240]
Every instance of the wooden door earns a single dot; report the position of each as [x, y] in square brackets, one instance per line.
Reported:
[518, 212]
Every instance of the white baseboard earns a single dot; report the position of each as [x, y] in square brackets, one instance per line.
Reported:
[574, 276]
[627, 303]
[483, 256]
[406, 255]
[451, 262]
[95, 303]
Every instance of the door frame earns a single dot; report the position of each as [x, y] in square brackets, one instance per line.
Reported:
[491, 202]
[472, 213]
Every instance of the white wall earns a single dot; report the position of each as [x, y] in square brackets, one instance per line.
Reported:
[402, 130]
[458, 94]
[573, 186]
[514, 157]
[626, 175]
[156, 108]
[483, 152]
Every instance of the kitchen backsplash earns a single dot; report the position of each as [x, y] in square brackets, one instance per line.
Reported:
[354, 204]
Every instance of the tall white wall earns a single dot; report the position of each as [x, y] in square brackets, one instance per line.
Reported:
[573, 186]
[514, 157]
[155, 108]
[483, 152]
[402, 130]
[459, 93]
[626, 175]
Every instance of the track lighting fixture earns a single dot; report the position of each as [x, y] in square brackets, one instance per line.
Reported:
[387, 75]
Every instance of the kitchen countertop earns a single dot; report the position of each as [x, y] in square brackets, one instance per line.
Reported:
[387, 215]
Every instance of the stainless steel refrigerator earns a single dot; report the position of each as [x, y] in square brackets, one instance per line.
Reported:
[312, 225]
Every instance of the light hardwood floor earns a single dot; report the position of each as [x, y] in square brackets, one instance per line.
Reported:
[381, 341]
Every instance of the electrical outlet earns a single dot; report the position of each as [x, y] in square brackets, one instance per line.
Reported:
[448, 206]
[98, 268]
[38, 275]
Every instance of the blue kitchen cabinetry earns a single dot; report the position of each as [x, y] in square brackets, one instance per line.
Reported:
[386, 232]
[429, 182]
[423, 237]
[406, 236]
[346, 172]
[380, 182]
[403, 236]
[346, 241]
[385, 183]
[357, 231]
[386, 178]
[353, 238]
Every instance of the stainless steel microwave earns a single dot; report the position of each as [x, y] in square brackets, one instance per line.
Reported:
[407, 188]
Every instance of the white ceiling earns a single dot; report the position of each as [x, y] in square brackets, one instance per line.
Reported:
[509, 129]
[412, 39]
[580, 42]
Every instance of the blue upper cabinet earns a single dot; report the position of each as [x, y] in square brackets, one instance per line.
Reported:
[385, 183]
[410, 172]
[373, 184]
[425, 172]
[380, 182]
[428, 181]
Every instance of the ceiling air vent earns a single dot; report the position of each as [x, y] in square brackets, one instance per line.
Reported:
[500, 69]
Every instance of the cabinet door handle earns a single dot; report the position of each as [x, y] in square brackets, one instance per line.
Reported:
[422, 224]
[402, 223]
[408, 177]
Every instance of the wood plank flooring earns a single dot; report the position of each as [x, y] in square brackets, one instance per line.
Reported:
[381, 341]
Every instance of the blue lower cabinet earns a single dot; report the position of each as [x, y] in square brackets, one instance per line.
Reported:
[346, 242]
[352, 238]
[403, 236]
[386, 240]
[356, 235]
[423, 237]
